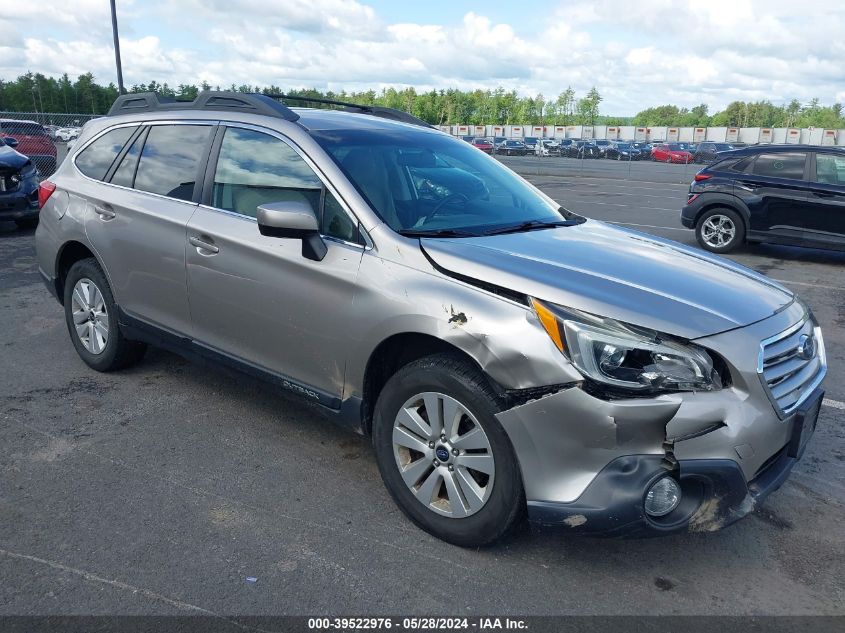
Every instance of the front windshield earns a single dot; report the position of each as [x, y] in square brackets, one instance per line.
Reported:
[421, 182]
[621, 146]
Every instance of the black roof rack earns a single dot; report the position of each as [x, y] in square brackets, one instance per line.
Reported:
[379, 111]
[208, 100]
[254, 103]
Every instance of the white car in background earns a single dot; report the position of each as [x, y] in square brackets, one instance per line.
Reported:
[545, 147]
[67, 133]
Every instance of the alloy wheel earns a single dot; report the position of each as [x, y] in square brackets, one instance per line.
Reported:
[718, 231]
[90, 316]
[443, 455]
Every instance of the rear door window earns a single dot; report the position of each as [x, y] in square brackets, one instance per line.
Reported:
[780, 165]
[830, 169]
[171, 158]
[94, 161]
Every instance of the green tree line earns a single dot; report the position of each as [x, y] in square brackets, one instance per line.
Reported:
[751, 114]
[35, 92]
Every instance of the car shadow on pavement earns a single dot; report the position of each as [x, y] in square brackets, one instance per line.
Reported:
[10, 229]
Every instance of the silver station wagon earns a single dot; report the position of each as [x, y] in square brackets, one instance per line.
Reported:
[507, 357]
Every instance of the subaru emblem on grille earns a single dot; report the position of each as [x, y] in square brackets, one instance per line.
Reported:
[807, 346]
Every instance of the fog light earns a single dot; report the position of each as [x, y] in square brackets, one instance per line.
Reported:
[663, 497]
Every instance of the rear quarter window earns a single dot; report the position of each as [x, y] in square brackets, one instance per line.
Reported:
[94, 161]
[741, 164]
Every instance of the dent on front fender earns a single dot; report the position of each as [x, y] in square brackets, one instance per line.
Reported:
[503, 337]
[564, 439]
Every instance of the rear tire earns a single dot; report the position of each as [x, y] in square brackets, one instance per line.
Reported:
[720, 230]
[91, 316]
[437, 488]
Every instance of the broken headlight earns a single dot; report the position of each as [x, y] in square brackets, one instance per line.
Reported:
[625, 356]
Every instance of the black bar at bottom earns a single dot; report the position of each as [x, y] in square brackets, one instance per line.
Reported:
[534, 624]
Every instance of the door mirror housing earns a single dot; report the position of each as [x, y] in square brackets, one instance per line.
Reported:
[295, 220]
[10, 141]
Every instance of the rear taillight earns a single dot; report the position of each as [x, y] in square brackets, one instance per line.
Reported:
[700, 177]
[45, 190]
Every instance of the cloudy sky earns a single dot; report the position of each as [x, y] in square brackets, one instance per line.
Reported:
[638, 54]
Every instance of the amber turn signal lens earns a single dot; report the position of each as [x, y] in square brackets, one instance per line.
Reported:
[549, 321]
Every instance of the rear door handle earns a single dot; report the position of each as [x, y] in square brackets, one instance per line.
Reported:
[823, 194]
[203, 244]
[747, 186]
[105, 211]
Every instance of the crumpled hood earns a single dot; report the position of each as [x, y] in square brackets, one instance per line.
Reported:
[10, 159]
[618, 273]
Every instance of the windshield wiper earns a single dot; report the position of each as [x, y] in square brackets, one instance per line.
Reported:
[436, 233]
[532, 225]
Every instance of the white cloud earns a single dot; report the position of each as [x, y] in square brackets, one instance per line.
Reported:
[685, 52]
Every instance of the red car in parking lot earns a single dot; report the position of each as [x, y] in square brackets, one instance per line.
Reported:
[483, 144]
[671, 153]
[33, 141]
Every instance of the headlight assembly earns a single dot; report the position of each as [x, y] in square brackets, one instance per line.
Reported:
[625, 356]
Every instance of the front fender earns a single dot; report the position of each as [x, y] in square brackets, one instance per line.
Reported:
[502, 336]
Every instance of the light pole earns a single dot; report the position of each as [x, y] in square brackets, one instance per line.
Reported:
[120, 87]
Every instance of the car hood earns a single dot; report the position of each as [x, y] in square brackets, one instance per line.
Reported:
[618, 273]
[11, 159]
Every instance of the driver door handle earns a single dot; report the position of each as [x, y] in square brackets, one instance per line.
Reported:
[203, 243]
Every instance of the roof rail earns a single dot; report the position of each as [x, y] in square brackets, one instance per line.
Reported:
[209, 100]
[379, 111]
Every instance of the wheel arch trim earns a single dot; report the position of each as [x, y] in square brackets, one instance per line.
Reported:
[714, 201]
[60, 270]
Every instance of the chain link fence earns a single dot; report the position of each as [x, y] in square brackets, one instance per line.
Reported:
[42, 136]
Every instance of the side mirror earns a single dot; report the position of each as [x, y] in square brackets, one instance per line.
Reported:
[10, 141]
[294, 220]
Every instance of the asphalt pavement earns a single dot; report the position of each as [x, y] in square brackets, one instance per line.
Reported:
[162, 489]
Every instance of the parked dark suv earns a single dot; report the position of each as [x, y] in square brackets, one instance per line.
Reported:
[785, 194]
[707, 152]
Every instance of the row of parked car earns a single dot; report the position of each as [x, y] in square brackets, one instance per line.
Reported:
[63, 134]
[33, 141]
[603, 148]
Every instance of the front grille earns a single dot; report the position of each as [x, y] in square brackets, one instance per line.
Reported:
[788, 375]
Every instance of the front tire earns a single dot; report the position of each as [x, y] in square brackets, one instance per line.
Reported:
[720, 230]
[91, 316]
[443, 456]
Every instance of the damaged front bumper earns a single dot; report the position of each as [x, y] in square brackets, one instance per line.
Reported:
[587, 463]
